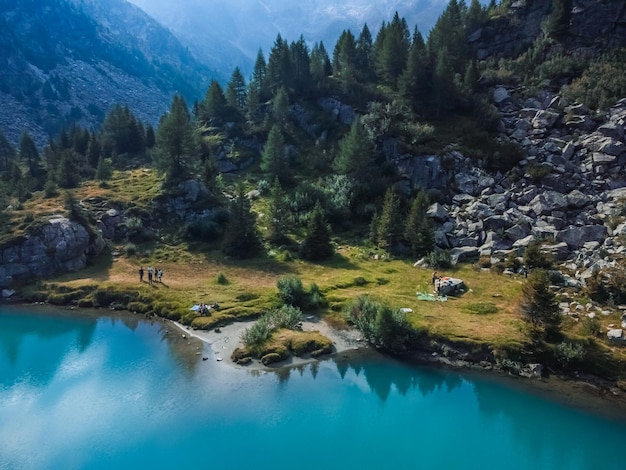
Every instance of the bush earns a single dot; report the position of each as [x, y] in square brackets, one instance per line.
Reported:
[360, 281]
[287, 316]
[316, 297]
[290, 290]
[222, 280]
[439, 259]
[568, 353]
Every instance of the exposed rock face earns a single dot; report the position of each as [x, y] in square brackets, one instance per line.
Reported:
[58, 246]
[592, 22]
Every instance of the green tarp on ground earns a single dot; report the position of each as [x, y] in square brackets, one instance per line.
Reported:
[431, 297]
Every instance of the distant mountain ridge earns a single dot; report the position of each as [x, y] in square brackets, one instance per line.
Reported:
[66, 61]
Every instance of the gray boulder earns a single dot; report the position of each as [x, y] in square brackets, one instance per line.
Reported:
[576, 237]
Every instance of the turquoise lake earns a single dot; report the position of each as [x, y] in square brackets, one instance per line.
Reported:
[81, 391]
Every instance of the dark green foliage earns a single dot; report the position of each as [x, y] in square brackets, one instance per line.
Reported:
[7, 152]
[535, 258]
[279, 216]
[379, 324]
[418, 228]
[236, 94]
[290, 290]
[391, 50]
[241, 237]
[317, 244]
[557, 23]
[540, 306]
[286, 316]
[213, 109]
[175, 153]
[344, 62]
[439, 259]
[104, 170]
[388, 227]
[273, 160]
[222, 279]
[122, 132]
[602, 83]
[355, 152]
[608, 286]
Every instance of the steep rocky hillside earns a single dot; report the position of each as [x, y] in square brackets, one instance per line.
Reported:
[69, 61]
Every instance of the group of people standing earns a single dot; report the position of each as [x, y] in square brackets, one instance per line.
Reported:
[154, 274]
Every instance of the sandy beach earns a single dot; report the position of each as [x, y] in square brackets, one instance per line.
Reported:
[226, 339]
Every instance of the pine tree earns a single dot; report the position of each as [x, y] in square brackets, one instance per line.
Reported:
[355, 152]
[273, 160]
[104, 171]
[301, 67]
[259, 78]
[280, 108]
[540, 305]
[389, 228]
[415, 81]
[344, 65]
[364, 51]
[213, 109]
[278, 215]
[241, 237]
[175, 151]
[280, 68]
[236, 91]
[317, 244]
[7, 152]
[67, 173]
[320, 65]
[418, 230]
[392, 52]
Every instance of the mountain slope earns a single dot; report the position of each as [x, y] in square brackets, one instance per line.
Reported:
[70, 61]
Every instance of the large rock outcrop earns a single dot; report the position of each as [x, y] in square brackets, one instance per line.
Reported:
[59, 245]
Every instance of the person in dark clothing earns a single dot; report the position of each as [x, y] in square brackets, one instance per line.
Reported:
[140, 273]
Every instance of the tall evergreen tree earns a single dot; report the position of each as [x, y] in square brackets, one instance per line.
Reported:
[301, 67]
[278, 215]
[212, 110]
[280, 70]
[540, 305]
[317, 243]
[68, 171]
[418, 229]
[7, 152]
[259, 78]
[415, 81]
[241, 236]
[320, 65]
[175, 151]
[355, 152]
[344, 65]
[364, 51]
[391, 55]
[273, 160]
[236, 91]
[280, 108]
[389, 228]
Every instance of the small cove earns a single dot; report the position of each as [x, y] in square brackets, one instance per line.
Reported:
[81, 390]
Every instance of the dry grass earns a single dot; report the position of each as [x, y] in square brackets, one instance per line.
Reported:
[191, 276]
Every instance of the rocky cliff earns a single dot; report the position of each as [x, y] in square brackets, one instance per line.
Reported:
[56, 246]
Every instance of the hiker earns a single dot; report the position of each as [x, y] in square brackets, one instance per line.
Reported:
[160, 275]
[435, 277]
[140, 273]
[150, 271]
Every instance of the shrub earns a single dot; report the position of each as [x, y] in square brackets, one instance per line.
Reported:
[222, 280]
[316, 297]
[290, 290]
[439, 259]
[568, 353]
[360, 281]
[131, 249]
[591, 326]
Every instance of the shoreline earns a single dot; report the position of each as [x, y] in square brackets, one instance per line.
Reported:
[583, 393]
[223, 343]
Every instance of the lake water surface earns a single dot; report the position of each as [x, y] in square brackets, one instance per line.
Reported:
[79, 390]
